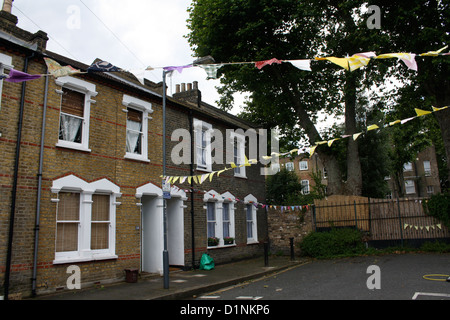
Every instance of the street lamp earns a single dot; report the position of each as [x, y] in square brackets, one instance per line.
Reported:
[202, 60]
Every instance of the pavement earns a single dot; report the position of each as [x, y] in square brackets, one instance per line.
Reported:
[182, 284]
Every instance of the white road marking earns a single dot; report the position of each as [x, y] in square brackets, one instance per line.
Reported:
[248, 298]
[446, 295]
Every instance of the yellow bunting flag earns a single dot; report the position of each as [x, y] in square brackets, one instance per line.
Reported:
[312, 150]
[394, 122]
[342, 62]
[434, 53]
[420, 112]
[438, 109]
[359, 60]
[356, 135]
[330, 142]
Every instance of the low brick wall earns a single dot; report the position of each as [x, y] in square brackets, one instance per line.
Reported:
[286, 224]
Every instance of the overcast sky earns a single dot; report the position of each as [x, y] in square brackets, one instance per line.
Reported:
[138, 33]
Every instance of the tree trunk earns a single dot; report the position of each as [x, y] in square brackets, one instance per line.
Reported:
[329, 161]
[443, 118]
[354, 175]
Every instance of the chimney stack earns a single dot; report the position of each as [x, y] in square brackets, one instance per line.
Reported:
[7, 5]
[188, 92]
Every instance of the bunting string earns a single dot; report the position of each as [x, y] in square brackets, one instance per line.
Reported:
[199, 179]
[349, 63]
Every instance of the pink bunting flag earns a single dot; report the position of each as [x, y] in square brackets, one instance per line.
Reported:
[262, 64]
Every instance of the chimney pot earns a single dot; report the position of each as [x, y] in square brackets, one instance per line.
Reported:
[7, 5]
[195, 83]
[177, 88]
[183, 87]
[189, 86]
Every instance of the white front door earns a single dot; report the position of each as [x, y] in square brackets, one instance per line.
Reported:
[175, 231]
[152, 234]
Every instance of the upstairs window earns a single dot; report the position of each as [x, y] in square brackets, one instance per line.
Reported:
[75, 112]
[134, 131]
[203, 156]
[137, 128]
[427, 168]
[239, 155]
[71, 116]
[289, 166]
[303, 165]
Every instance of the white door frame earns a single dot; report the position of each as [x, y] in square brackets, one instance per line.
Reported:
[152, 225]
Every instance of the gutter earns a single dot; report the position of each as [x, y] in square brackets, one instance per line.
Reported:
[15, 178]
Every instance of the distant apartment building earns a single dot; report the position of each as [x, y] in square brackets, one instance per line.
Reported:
[420, 177]
[304, 167]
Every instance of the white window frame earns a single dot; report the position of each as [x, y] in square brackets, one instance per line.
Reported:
[305, 187]
[303, 165]
[407, 167]
[430, 189]
[146, 109]
[201, 126]
[88, 89]
[218, 200]
[289, 166]
[84, 253]
[249, 202]
[239, 158]
[410, 187]
[228, 198]
[427, 168]
[5, 64]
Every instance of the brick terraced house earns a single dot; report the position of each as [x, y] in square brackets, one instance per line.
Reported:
[80, 176]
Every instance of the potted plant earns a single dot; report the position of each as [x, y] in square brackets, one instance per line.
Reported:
[228, 240]
[213, 241]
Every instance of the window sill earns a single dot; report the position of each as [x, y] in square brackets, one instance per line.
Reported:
[251, 241]
[95, 257]
[68, 145]
[131, 156]
[209, 170]
[221, 246]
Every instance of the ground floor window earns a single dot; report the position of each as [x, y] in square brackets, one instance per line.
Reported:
[220, 218]
[85, 219]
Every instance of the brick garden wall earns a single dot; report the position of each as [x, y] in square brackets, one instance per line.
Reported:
[287, 224]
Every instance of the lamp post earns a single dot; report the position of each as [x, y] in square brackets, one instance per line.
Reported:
[165, 252]
[203, 60]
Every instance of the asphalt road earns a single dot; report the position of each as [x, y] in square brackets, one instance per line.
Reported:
[388, 277]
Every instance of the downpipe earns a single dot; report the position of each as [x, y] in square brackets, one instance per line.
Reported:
[38, 201]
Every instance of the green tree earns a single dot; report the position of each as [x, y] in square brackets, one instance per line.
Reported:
[281, 95]
[283, 188]
[421, 26]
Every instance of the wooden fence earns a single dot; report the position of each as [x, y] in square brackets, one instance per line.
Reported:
[383, 220]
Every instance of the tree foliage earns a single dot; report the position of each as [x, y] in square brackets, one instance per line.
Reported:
[285, 97]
